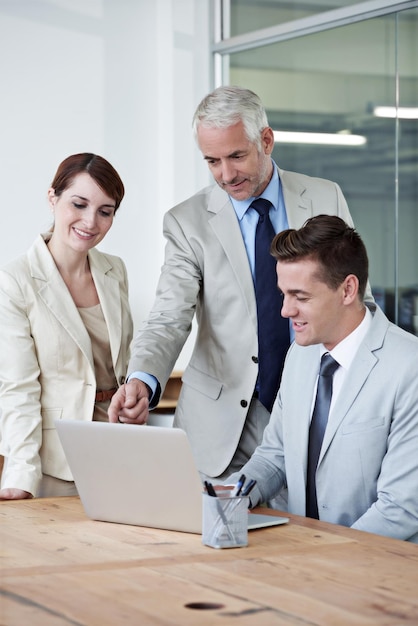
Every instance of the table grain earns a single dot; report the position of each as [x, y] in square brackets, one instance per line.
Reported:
[59, 568]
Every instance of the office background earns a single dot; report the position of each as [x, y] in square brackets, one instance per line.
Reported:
[122, 78]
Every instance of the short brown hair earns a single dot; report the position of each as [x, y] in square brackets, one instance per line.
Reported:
[327, 239]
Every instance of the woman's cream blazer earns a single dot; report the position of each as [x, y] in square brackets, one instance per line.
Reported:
[46, 360]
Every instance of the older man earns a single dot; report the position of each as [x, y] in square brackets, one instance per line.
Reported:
[210, 270]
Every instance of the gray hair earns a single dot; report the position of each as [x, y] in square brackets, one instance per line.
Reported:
[227, 106]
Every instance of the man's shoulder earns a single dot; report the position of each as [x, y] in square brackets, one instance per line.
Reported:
[212, 195]
[289, 177]
[206, 202]
[390, 343]
[403, 339]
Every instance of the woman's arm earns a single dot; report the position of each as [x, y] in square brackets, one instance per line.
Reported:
[20, 420]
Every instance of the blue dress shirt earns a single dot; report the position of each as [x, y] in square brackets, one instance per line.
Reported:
[248, 223]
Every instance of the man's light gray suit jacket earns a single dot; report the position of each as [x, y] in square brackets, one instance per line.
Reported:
[367, 475]
[206, 271]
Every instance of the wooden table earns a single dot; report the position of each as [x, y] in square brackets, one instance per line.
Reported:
[59, 568]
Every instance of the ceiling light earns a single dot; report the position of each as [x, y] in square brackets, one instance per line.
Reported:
[404, 113]
[331, 139]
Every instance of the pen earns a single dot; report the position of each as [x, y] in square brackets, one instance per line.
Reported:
[209, 488]
[248, 488]
[238, 486]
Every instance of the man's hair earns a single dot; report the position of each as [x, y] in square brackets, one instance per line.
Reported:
[226, 106]
[327, 239]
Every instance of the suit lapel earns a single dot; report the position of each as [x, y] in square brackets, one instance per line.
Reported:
[55, 295]
[226, 228]
[57, 298]
[300, 402]
[298, 206]
[110, 299]
[357, 376]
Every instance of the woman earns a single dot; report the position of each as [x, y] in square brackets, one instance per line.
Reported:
[65, 329]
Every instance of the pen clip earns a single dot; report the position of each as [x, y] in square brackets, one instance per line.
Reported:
[248, 488]
[239, 486]
[210, 489]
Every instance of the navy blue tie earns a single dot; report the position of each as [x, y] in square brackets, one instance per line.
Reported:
[273, 329]
[317, 429]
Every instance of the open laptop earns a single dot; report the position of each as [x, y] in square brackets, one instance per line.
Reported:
[140, 475]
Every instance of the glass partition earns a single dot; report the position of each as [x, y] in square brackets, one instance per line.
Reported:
[331, 82]
[249, 15]
[406, 132]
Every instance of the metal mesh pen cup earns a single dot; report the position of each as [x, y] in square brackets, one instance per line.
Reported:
[225, 521]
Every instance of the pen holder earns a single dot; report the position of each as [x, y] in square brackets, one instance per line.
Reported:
[225, 521]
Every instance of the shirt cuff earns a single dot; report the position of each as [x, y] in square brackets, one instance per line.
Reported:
[148, 379]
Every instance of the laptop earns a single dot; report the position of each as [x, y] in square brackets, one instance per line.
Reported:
[139, 475]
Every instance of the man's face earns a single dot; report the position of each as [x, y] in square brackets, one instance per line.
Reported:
[318, 313]
[236, 164]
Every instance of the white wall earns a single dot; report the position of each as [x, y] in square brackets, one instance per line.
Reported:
[120, 78]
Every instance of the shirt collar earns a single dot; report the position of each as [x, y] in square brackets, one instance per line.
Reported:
[344, 352]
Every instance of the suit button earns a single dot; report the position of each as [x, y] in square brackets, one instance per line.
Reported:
[254, 359]
[244, 403]
[122, 380]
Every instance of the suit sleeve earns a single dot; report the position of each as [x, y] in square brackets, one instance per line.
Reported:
[158, 344]
[266, 464]
[395, 511]
[20, 419]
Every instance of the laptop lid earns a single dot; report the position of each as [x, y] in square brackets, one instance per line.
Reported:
[140, 475]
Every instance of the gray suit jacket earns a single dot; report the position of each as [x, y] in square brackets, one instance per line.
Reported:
[206, 272]
[367, 475]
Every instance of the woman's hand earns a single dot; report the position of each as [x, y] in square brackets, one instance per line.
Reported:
[14, 494]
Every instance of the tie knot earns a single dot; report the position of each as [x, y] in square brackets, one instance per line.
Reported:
[328, 365]
[262, 206]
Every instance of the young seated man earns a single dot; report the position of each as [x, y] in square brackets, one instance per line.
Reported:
[350, 458]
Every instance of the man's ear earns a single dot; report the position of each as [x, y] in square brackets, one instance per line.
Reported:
[267, 140]
[350, 288]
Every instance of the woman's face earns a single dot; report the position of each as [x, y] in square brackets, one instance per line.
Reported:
[83, 214]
